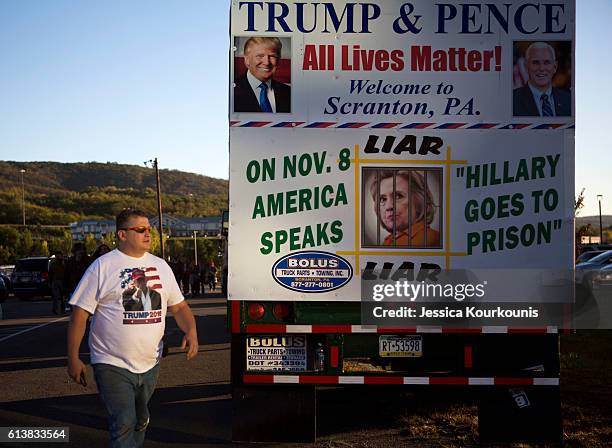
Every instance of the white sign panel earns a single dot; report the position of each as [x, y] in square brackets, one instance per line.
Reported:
[420, 134]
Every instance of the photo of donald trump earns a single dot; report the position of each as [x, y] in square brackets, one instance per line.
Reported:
[138, 296]
[257, 86]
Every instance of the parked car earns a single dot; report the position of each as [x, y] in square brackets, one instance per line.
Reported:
[603, 277]
[4, 292]
[7, 281]
[585, 271]
[592, 247]
[31, 277]
[586, 256]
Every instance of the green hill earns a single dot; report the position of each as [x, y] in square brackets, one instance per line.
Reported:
[606, 221]
[59, 193]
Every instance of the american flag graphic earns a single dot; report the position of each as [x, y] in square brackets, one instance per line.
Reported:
[153, 280]
[130, 275]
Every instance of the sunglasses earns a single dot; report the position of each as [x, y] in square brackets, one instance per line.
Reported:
[138, 229]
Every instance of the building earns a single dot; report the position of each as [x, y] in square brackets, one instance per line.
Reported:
[588, 239]
[185, 226]
[173, 226]
[80, 229]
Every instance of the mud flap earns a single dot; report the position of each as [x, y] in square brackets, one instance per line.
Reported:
[273, 414]
[520, 414]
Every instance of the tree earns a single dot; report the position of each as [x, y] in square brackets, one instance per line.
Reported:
[6, 255]
[155, 242]
[8, 236]
[44, 248]
[90, 244]
[65, 245]
[579, 203]
[176, 248]
[109, 240]
[208, 250]
[25, 244]
[56, 245]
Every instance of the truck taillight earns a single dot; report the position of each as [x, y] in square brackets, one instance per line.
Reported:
[333, 356]
[256, 311]
[44, 275]
[280, 311]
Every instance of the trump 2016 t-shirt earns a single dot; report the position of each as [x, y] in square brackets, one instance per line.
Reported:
[128, 298]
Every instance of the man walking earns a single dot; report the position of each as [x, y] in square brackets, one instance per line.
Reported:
[126, 345]
[56, 279]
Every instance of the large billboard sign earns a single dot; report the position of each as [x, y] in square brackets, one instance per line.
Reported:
[372, 139]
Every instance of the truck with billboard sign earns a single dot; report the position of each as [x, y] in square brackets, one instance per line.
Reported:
[401, 205]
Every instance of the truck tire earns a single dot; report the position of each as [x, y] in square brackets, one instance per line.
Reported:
[273, 413]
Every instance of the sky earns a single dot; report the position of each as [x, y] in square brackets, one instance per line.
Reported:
[126, 81]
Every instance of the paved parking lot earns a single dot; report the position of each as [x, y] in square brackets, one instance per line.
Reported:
[191, 405]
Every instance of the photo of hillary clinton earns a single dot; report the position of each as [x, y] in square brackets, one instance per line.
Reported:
[401, 208]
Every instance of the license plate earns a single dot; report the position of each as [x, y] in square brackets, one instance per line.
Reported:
[400, 346]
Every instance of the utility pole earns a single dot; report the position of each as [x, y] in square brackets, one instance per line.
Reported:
[195, 247]
[159, 207]
[23, 198]
[601, 241]
[159, 210]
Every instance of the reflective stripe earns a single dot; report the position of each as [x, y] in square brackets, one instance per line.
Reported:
[350, 380]
[299, 328]
[481, 381]
[287, 379]
[424, 380]
[546, 381]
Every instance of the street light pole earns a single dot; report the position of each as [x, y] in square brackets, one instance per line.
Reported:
[23, 197]
[195, 247]
[159, 208]
[601, 241]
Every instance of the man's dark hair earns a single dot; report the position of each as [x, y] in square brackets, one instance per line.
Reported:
[124, 216]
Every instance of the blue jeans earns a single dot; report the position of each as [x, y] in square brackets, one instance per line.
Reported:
[126, 396]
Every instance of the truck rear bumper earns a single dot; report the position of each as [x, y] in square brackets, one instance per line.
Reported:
[344, 380]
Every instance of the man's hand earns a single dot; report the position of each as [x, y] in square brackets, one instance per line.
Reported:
[190, 340]
[186, 322]
[77, 371]
[76, 330]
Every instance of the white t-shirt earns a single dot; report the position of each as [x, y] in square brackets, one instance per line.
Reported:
[128, 298]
